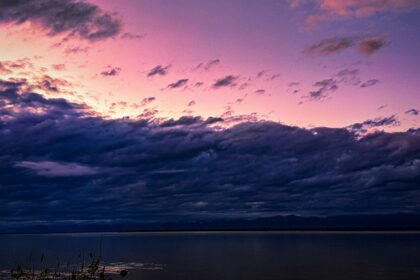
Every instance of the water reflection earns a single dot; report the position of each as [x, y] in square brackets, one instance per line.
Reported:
[215, 256]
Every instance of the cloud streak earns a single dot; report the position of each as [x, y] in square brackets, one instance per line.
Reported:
[334, 45]
[226, 81]
[178, 84]
[57, 169]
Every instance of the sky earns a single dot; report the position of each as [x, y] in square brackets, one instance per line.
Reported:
[140, 111]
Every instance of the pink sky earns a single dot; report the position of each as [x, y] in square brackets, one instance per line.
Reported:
[246, 38]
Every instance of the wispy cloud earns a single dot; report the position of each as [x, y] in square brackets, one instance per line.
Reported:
[226, 81]
[111, 71]
[159, 70]
[330, 45]
[57, 169]
[132, 36]
[208, 65]
[364, 45]
[413, 112]
[371, 45]
[325, 87]
[147, 100]
[260, 91]
[369, 83]
[178, 84]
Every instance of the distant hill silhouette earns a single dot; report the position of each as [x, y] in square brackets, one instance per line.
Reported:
[398, 221]
[365, 222]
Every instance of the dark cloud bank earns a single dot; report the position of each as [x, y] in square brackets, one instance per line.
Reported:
[59, 163]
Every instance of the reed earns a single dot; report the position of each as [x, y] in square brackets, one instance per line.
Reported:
[93, 270]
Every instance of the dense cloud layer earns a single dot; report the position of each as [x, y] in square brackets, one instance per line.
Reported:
[70, 17]
[58, 163]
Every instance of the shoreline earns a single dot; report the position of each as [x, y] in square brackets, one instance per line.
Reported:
[225, 231]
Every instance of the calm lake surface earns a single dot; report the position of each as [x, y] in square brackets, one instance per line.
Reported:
[229, 256]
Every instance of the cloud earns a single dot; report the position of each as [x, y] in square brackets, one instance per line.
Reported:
[14, 93]
[147, 100]
[128, 171]
[346, 76]
[208, 65]
[112, 71]
[371, 45]
[260, 91]
[293, 87]
[374, 123]
[59, 67]
[413, 112]
[225, 81]
[8, 67]
[50, 84]
[369, 83]
[178, 84]
[366, 8]
[364, 45]
[328, 10]
[243, 86]
[132, 36]
[330, 46]
[325, 87]
[382, 107]
[62, 17]
[76, 50]
[261, 73]
[211, 63]
[267, 75]
[274, 76]
[4, 70]
[159, 70]
[57, 169]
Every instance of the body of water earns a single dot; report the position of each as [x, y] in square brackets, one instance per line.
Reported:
[228, 256]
